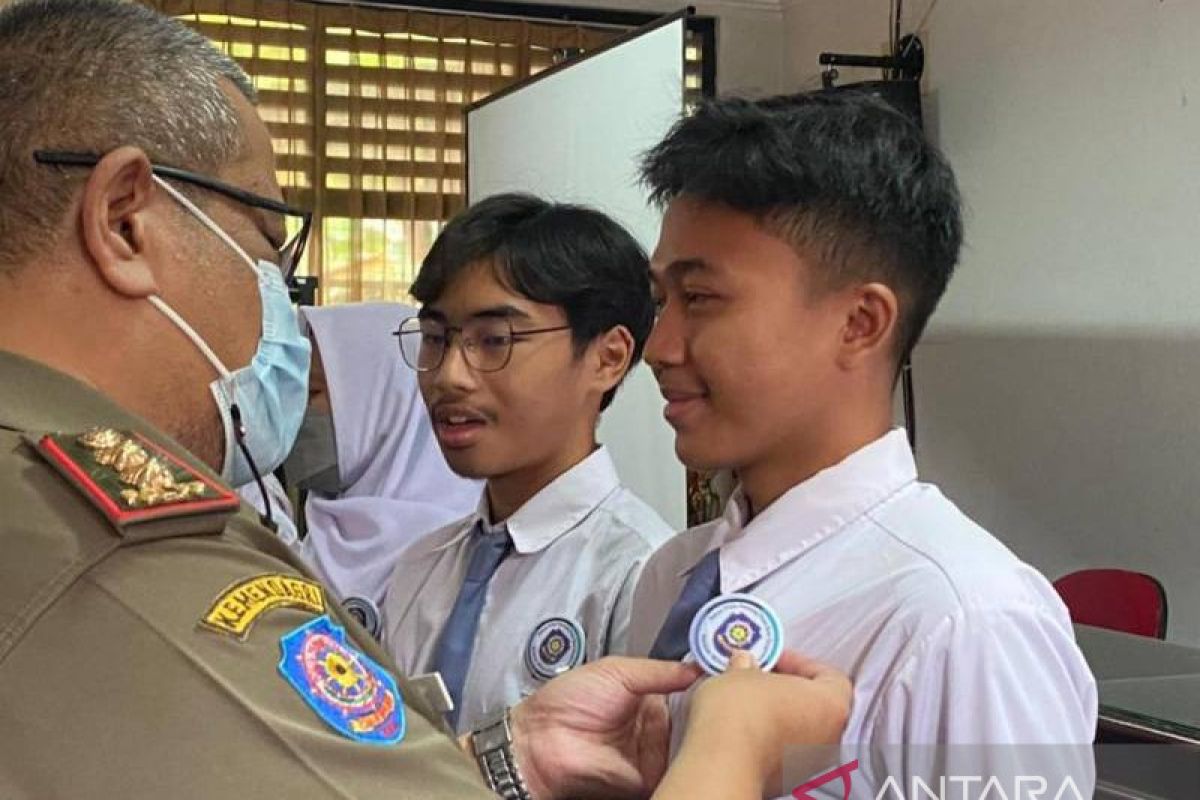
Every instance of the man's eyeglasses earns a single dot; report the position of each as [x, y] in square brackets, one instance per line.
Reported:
[486, 342]
[289, 254]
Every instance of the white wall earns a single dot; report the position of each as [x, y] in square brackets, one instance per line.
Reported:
[750, 46]
[1059, 388]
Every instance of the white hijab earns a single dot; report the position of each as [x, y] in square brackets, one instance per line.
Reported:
[397, 485]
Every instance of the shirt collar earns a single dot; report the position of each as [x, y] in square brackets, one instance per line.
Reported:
[809, 512]
[558, 508]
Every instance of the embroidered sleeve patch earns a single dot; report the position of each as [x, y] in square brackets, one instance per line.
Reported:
[350, 692]
[238, 607]
[131, 479]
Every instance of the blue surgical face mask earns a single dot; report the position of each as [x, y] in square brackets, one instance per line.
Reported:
[268, 396]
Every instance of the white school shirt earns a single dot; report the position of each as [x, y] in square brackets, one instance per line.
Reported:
[949, 638]
[578, 547]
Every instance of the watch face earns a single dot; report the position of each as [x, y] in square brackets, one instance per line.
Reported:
[492, 734]
[555, 646]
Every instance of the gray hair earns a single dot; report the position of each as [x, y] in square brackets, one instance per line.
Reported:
[91, 76]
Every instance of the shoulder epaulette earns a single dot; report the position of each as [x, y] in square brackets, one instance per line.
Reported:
[131, 479]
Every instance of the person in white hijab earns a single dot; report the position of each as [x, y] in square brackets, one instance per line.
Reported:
[366, 453]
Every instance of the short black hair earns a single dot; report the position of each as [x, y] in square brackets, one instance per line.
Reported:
[566, 255]
[92, 75]
[844, 178]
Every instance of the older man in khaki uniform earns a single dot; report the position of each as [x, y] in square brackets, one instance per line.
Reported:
[155, 640]
[117, 679]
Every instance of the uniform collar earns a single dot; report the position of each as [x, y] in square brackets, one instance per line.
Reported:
[37, 398]
[809, 512]
[556, 509]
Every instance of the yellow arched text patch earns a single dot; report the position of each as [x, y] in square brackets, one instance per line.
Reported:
[238, 607]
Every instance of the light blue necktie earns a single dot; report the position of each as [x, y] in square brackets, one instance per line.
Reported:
[453, 655]
[702, 585]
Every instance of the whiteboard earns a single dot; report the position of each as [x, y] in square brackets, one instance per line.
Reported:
[575, 135]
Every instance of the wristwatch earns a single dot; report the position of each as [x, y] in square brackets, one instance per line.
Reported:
[492, 740]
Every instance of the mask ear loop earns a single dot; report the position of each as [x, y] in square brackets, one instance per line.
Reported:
[206, 221]
[235, 413]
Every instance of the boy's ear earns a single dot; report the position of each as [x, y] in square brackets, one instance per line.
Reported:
[613, 352]
[872, 315]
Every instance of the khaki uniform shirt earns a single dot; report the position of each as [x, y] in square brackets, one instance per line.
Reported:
[111, 683]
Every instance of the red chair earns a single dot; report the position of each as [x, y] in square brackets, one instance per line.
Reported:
[1116, 599]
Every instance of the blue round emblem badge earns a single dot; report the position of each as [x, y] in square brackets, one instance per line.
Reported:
[735, 622]
[555, 646]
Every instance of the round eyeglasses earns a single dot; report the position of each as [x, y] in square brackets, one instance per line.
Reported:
[486, 342]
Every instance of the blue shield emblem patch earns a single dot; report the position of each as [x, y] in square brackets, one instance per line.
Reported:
[350, 692]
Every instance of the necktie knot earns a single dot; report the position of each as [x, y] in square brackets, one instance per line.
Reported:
[490, 549]
[702, 585]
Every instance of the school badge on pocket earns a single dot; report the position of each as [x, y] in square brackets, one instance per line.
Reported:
[555, 646]
[350, 692]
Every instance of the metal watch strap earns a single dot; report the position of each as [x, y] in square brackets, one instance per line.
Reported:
[492, 740]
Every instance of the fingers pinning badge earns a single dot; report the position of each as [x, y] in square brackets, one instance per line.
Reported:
[735, 622]
[555, 646]
[367, 614]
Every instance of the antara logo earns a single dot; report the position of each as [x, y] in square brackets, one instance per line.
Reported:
[801, 791]
[949, 787]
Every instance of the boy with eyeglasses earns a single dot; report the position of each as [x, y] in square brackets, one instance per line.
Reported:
[532, 314]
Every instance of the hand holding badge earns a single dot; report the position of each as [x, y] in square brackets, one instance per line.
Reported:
[735, 622]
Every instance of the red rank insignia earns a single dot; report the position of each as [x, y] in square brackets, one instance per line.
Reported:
[131, 479]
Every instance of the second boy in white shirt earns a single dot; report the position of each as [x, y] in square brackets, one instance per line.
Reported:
[532, 315]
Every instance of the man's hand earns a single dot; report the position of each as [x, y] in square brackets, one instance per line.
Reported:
[601, 730]
[751, 716]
